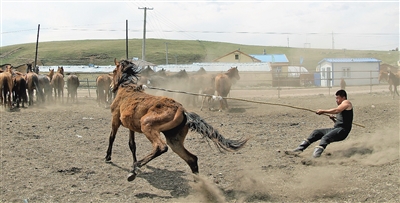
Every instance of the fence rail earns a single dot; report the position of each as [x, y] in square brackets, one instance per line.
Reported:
[264, 80]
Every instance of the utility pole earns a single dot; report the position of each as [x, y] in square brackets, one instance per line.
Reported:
[288, 41]
[333, 42]
[126, 40]
[166, 52]
[37, 44]
[144, 33]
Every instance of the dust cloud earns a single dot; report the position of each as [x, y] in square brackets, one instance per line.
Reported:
[377, 148]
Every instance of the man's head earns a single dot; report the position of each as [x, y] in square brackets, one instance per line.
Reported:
[341, 95]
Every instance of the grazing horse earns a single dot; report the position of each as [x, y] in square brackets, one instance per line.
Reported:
[394, 79]
[151, 115]
[223, 83]
[32, 83]
[103, 83]
[57, 82]
[72, 87]
[6, 87]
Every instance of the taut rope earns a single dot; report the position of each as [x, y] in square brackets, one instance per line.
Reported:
[238, 99]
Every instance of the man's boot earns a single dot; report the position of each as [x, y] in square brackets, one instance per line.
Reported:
[303, 145]
[318, 151]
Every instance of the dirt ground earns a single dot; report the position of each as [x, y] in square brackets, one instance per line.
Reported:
[55, 153]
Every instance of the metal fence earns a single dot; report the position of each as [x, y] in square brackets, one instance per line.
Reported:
[264, 80]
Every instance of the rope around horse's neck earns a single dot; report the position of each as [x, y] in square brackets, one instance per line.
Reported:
[239, 99]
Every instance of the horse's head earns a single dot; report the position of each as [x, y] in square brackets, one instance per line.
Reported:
[9, 68]
[124, 72]
[60, 70]
[234, 73]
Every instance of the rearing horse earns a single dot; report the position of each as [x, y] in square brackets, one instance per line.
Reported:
[223, 84]
[151, 115]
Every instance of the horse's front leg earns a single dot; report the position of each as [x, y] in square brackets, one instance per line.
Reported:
[114, 128]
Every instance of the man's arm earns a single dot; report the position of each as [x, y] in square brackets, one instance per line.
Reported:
[343, 106]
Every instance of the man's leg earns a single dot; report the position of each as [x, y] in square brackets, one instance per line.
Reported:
[334, 135]
[314, 136]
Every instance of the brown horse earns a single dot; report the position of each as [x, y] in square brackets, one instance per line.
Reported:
[19, 88]
[223, 83]
[384, 76]
[6, 87]
[200, 82]
[72, 87]
[151, 115]
[208, 91]
[394, 80]
[103, 83]
[57, 82]
[32, 83]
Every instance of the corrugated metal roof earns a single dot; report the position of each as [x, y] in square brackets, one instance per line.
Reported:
[273, 58]
[350, 60]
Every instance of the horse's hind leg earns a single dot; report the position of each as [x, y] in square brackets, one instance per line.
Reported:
[176, 144]
[132, 145]
[159, 147]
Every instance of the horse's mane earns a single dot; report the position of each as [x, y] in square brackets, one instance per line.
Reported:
[130, 73]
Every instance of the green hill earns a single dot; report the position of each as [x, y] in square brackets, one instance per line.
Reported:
[103, 52]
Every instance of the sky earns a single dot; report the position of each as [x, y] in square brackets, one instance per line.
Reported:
[351, 25]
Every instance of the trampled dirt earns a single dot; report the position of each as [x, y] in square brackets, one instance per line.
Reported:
[55, 153]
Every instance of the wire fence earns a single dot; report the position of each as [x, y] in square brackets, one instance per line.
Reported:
[265, 81]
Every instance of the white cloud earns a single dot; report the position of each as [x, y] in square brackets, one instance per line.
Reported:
[356, 25]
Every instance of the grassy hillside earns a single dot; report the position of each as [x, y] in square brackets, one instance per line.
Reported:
[103, 52]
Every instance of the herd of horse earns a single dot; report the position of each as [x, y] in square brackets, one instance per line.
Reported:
[141, 112]
[199, 82]
[18, 88]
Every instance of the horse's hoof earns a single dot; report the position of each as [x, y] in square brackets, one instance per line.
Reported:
[108, 160]
[131, 176]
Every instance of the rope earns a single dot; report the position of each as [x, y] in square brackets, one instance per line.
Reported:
[238, 99]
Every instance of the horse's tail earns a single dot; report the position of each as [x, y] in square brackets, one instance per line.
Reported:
[196, 123]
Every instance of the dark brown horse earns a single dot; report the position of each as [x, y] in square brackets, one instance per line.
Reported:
[223, 84]
[394, 80]
[57, 82]
[6, 87]
[103, 83]
[151, 115]
[72, 87]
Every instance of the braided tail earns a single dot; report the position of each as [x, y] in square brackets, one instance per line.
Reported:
[196, 123]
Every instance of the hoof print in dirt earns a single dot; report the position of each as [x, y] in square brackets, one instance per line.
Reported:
[70, 171]
[307, 162]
